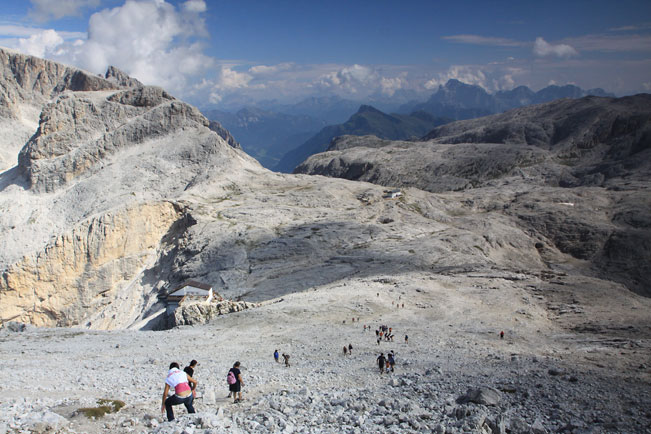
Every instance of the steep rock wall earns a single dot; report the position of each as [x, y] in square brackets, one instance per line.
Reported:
[79, 272]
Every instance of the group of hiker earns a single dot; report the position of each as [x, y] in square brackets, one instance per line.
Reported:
[386, 363]
[285, 358]
[185, 387]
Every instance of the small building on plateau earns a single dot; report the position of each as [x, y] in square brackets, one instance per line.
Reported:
[191, 288]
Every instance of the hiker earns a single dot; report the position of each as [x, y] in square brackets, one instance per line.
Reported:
[403, 305]
[406, 339]
[502, 334]
[345, 350]
[380, 362]
[180, 381]
[378, 341]
[286, 357]
[276, 356]
[235, 382]
[377, 332]
[391, 359]
[350, 349]
[190, 371]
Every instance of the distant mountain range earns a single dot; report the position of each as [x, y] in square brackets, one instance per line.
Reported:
[282, 136]
[464, 101]
[367, 120]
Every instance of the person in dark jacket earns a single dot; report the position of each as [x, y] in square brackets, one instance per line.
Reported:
[190, 371]
[381, 361]
[236, 388]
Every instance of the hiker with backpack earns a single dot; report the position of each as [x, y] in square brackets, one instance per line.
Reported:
[381, 361]
[235, 382]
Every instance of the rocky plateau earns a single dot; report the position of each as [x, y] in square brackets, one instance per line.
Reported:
[112, 193]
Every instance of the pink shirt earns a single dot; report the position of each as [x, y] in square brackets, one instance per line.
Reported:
[178, 380]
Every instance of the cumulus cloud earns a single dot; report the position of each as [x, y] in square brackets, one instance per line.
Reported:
[464, 73]
[543, 48]
[226, 81]
[152, 40]
[194, 6]
[44, 10]
[40, 43]
[361, 80]
[350, 78]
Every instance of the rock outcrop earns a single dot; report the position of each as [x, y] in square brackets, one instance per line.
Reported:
[194, 313]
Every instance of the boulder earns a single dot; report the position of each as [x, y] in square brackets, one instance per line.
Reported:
[481, 395]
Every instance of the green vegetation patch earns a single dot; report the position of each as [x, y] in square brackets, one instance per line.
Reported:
[104, 406]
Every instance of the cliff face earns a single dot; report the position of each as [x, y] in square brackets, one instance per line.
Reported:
[83, 271]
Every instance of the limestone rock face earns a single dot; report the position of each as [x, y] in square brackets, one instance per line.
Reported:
[80, 271]
[224, 134]
[77, 132]
[26, 83]
[201, 313]
[121, 78]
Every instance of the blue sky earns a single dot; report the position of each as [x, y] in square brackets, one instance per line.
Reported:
[236, 52]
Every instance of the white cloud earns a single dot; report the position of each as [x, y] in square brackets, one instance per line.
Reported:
[231, 79]
[264, 70]
[355, 79]
[389, 86]
[19, 31]
[350, 78]
[226, 81]
[150, 40]
[45, 10]
[483, 40]
[542, 48]
[40, 43]
[647, 86]
[612, 43]
[194, 6]
[464, 73]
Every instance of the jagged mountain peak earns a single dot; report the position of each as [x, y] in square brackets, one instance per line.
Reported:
[365, 108]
